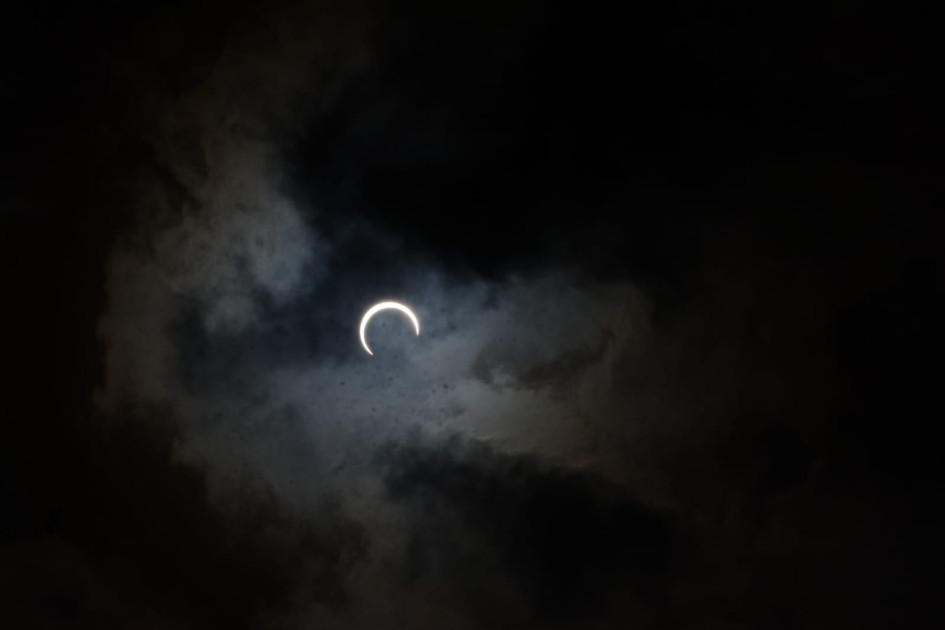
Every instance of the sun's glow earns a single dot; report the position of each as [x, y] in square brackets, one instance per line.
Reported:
[383, 306]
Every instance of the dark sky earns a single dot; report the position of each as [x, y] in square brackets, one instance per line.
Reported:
[679, 274]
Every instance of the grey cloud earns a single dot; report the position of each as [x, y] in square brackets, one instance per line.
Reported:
[566, 539]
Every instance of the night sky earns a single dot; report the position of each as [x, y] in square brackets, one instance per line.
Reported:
[679, 273]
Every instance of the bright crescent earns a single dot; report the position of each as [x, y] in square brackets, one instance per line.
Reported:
[383, 306]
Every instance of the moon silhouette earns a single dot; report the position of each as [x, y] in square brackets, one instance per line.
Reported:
[383, 306]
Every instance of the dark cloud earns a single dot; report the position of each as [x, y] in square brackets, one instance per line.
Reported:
[130, 540]
[567, 542]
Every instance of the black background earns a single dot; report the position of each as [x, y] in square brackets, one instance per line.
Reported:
[649, 143]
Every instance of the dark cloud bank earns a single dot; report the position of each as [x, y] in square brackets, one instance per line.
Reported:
[680, 287]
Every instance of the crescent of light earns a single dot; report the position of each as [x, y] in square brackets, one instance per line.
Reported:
[383, 306]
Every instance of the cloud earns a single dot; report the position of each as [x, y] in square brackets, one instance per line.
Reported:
[564, 543]
[135, 542]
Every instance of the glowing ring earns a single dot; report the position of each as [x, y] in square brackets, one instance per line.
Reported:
[383, 306]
